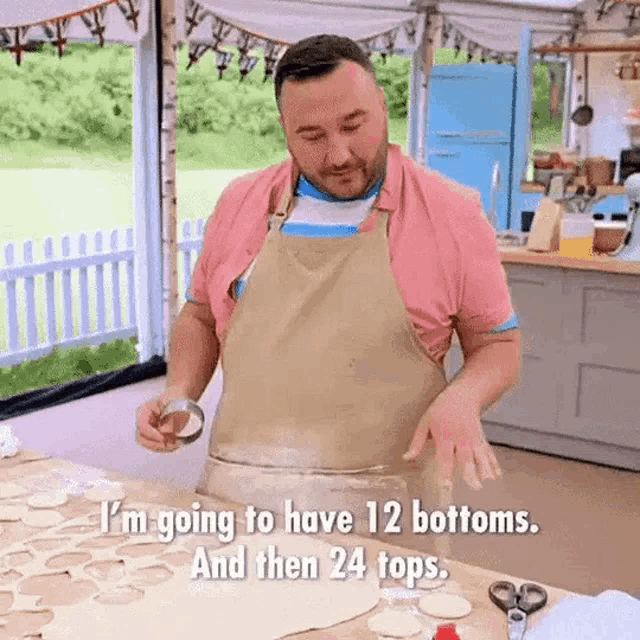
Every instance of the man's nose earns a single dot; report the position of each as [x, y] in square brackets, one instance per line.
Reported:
[338, 154]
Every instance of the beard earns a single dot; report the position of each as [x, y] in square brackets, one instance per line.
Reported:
[358, 182]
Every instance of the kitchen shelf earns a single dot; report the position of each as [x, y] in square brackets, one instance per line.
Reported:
[603, 48]
[536, 187]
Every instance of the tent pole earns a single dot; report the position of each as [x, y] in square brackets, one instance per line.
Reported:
[146, 192]
[169, 64]
[522, 125]
[424, 58]
[414, 111]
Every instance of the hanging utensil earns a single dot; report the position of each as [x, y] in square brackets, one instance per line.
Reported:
[583, 115]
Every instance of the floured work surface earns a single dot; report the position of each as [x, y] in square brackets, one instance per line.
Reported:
[79, 583]
[73, 553]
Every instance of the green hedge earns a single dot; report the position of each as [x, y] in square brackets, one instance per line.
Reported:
[87, 96]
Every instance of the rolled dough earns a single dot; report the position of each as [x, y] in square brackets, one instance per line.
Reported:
[11, 490]
[395, 624]
[445, 605]
[234, 608]
[12, 512]
[47, 500]
[98, 494]
[42, 518]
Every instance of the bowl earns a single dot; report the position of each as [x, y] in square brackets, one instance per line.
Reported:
[608, 236]
[600, 172]
[543, 176]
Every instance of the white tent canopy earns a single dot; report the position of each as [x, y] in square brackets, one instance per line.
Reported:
[494, 25]
[491, 24]
[286, 21]
[497, 25]
[81, 15]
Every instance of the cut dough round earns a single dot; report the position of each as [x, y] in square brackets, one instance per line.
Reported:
[48, 499]
[11, 490]
[394, 624]
[12, 512]
[427, 584]
[445, 605]
[42, 518]
[111, 492]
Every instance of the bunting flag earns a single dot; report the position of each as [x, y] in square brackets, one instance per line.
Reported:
[55, 30]
[450, 36]
[94, 21]
[130, 11]
[196, 51]
[605, 7]
[14, 41]
[194, 17]
[224, 33]
[272, 54]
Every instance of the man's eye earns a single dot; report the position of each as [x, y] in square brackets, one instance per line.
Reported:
[313, 138]
[352, 128]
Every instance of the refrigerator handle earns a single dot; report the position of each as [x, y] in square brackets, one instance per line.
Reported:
[443, 154]
[495, 188]
[472, 134]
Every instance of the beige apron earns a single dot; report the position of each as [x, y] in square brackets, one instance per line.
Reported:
[324, 380]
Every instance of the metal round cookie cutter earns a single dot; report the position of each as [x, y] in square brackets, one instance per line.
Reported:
[184, 405]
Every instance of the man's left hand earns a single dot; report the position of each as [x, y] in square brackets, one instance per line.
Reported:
[455, 427]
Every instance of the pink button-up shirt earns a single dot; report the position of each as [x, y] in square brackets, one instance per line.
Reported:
[443, 251]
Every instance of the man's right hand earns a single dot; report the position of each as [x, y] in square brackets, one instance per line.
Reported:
[153, 435]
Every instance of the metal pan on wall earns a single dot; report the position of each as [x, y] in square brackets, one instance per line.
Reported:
[583, 115]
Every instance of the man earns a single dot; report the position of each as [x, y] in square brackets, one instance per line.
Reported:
[329, 286]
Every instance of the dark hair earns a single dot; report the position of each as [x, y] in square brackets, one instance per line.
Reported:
[318, 56]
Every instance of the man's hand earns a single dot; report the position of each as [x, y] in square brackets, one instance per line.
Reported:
[156, 436]
[491, 366]
[455, 428]
[192, 360]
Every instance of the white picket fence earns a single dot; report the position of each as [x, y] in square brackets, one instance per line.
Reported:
[48, 304]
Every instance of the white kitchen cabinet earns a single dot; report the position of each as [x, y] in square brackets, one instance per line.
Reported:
[579, 395]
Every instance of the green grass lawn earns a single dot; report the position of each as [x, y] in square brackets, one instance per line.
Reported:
[60, 191]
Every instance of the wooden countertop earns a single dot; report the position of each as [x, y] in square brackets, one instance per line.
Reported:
[605, 264]
[536, 187]
[486, 622]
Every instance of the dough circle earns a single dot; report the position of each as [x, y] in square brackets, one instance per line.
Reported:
[98, 494]
[445, 605]
[42, 518]
[48, 499]
[394, 624]
[11, 490]
[12, 512]
[427, 584]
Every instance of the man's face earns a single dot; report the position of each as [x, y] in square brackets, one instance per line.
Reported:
[336, 129]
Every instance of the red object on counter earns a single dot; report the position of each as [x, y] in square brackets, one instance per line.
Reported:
[446, 632]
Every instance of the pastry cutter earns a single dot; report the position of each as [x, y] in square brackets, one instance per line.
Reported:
[195, 425]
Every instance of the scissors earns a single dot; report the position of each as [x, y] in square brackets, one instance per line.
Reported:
[517, 604]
